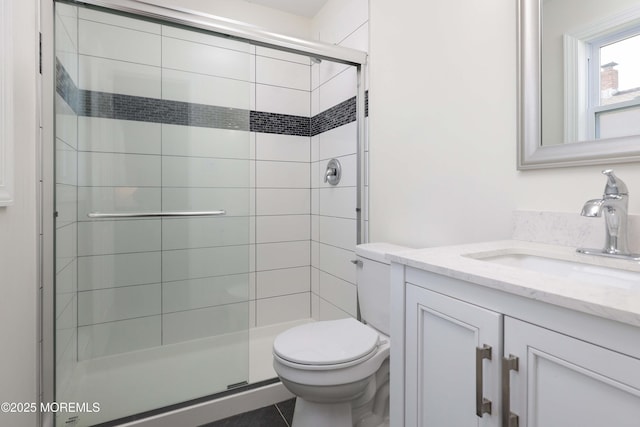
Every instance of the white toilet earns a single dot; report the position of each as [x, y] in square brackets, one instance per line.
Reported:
[339, 369]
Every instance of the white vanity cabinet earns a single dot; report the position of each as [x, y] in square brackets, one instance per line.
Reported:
[447, 383]
[562, 381]
[463, 345]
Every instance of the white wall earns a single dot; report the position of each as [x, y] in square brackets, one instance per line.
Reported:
[18, 258]
[442, 121]
[443, 128]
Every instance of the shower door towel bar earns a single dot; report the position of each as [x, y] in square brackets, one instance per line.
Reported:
[153, 214]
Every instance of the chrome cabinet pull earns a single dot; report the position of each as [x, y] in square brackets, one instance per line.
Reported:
[483, 405]
[357, 262]
[153, 214]
[509, 419]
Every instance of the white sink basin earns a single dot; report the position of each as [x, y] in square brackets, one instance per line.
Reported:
[576, 271]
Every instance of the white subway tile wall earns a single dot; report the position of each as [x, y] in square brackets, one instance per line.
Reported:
[333, 223]
[150, 282]
[283, 250]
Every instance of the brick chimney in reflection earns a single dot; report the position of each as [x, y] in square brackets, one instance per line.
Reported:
[608, 80]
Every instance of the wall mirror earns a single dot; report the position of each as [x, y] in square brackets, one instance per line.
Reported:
[579, 82]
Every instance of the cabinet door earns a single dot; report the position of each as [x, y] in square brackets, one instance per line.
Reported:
[562, 381]
[442, 335]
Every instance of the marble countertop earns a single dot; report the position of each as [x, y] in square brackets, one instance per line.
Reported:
[464, 262]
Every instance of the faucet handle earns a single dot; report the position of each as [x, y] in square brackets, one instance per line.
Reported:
[615, 186]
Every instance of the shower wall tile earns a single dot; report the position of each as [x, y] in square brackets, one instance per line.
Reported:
[333, 91]
[358, 39]
[285, 56]
[205, 89]
[185, 233]
[272, 256]
[281, 228]
[108, 305]
[235, 201]
[315, 254]
[67, 279]
[282, 201]
[283, 309]
[66, 123]
[337, 142]
[338, 292]
[315, 280]
[204, 172]
[283, 282]
[66, 246]
[118, 136]
[116, 199]
[339, 232]
[281, 73]
[205, 262]
[206, 292]
[111, 271]
[329, 311]
[126, 78]
[194, 324]
[66, 202]
[66, 164]
[123, 336]
[282, 174]
[211, 40]
[327, 70]
[114, 170]
[205, 142]
[315, 148]
[337, 262]
[316, 174]
[118, 20]
[339, 88]
[66, 36]
[315, 306]
[117, 237]
[66, 360]
[282, 147]
[114, 42]
[272, 99]
[340, 202]
[205, 59]
[315, 201]
[315, 228]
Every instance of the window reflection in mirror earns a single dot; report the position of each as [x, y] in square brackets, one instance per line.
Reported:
[616, 108]
[590, 70]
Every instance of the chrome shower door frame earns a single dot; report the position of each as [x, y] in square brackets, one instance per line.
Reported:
[199, 413]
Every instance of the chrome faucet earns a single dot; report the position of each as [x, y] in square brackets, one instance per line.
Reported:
[614, 206]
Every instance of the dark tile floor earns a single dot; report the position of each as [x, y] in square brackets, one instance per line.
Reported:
[278, 415]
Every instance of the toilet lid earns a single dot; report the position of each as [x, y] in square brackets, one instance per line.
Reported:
[326, 343]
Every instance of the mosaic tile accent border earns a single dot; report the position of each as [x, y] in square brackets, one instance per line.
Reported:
[282, 124]
[138, 108]
[127, 107]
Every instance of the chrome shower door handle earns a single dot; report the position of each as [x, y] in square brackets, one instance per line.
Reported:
[483, 405]
[154, 214]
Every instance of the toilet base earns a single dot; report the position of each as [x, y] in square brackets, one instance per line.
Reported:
[311, 414]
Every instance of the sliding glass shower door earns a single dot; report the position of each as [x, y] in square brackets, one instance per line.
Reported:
[153, 213]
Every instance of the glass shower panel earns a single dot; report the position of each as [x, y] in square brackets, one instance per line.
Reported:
[152, 143]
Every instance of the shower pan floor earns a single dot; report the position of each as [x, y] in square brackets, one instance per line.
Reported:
[135, 382]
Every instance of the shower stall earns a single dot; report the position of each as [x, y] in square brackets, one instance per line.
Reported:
[188, 203]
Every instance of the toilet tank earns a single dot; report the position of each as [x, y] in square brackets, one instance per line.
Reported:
[373, 280]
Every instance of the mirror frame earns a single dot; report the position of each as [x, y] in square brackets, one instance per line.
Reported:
[531, 153]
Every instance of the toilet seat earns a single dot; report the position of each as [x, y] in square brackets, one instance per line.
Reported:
[326, 345]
